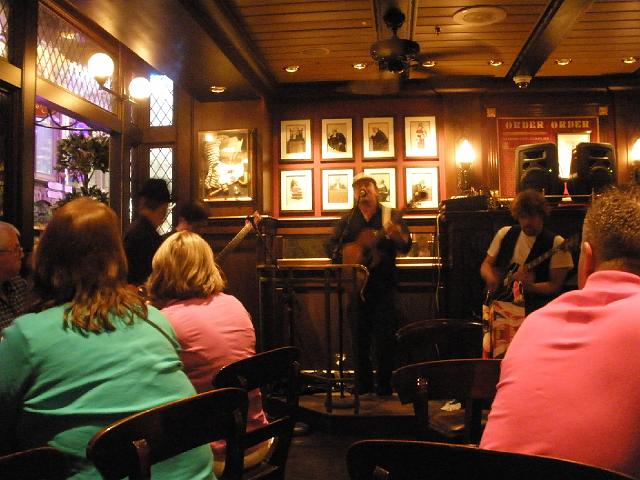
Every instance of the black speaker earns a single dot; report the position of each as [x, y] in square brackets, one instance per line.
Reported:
[537, 167]
[593, 168]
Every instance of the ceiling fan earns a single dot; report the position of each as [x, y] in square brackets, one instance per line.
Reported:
[394, 54]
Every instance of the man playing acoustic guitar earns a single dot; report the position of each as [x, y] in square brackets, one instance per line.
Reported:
[512, 255]
[371, 235]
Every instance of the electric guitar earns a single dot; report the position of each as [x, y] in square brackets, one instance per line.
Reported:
[509, 289]
[250, 223]
[363, 250]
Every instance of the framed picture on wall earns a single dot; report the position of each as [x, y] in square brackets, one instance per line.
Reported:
[386, 180]
[296, 190]
[337, 138]
[422, 186]
[377, 137]
[420, 137]
[226, 165]
[295, 140]
[337, 193]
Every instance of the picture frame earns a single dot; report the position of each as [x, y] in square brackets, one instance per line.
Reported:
[226, 165]
[420, 137]
[337, 138]
[295, 140]
[386, 181]
[422, 181]
[378, 137]
[296, 190]
[337, 193]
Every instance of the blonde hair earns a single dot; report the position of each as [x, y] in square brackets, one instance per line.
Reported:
[184, 268]
[80, 260]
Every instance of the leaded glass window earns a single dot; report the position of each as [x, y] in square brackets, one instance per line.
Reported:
[161, 166]
[63, 51]
[4, 28]
[161, 101]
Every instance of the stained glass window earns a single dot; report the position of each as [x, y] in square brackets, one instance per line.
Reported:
[161, 101]
[4, 28]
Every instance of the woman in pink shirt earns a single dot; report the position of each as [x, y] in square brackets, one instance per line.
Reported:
[213, 328]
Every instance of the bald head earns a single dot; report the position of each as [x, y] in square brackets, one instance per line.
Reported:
[10, 252]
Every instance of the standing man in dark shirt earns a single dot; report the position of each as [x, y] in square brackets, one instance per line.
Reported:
[142, 239]
[379, 234]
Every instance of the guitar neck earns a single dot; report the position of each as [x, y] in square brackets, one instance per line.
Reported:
[231, 246]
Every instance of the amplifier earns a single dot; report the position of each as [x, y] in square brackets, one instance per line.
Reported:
[463, 204]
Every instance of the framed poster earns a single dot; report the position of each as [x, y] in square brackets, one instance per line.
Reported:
[295, 140]
[227, 163]
[377, 137]
[337, 193]
[386, 180]
[422, 186]
[337, 138]
[296, 190]
[420, 137]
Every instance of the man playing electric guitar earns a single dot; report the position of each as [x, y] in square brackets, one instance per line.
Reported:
[523, 243]
[376, 234]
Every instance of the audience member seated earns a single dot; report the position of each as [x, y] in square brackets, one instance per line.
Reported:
[191, 215]
[213, 328]
[569, 384]
[14, 290]
[93, 353]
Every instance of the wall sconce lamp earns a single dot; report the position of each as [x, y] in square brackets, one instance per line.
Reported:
[634, 156]
[465, 155]
[101, 66]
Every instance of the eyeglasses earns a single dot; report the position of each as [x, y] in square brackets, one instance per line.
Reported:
[15, 251]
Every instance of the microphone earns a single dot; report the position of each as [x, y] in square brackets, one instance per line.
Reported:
[250, 219]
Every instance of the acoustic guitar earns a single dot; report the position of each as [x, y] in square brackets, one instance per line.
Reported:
[251, 222]
[509, 290]
[363, 250]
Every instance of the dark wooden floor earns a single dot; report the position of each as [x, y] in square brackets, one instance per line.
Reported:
[321, 453]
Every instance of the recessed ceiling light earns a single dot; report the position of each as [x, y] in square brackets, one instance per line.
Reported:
[563, 61]
[291, 68]
[359, 65]
[428, 63]
[629, 60]
[478, 16]
[217, 89]
[495, 63]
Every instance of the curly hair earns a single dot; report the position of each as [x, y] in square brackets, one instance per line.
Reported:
[612, 227]
[529, 203]
[80, 260]
[184, 268]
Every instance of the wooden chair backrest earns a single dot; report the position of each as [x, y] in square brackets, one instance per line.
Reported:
[129, 447]
[415, 460]
[42, 463]
[275, 368]
[470, 381]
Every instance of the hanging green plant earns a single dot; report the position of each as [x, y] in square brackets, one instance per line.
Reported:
[81, 156]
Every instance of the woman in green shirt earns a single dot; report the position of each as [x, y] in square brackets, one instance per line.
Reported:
[93, 353]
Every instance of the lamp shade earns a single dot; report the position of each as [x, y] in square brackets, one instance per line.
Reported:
[100, 67]
[465, 155]
[139, 88]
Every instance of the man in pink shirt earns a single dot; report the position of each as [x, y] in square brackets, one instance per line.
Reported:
[569, 385]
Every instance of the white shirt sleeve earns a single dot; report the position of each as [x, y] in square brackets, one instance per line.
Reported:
[494, 248]
[563, 258]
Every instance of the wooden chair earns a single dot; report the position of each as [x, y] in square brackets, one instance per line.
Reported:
[438, 339]
[268, 371]
[42, 463]
[129, 447]
[415, 460]
[472, 382]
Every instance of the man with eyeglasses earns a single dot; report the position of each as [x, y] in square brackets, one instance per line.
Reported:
[14, 290]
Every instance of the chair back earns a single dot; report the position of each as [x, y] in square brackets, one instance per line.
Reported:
[42, 463]
[129, 447]
[472, 382]
[438, 339]
[273, 371]
[415, 460]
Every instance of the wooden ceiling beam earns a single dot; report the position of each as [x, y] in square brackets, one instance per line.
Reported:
[556, 22]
